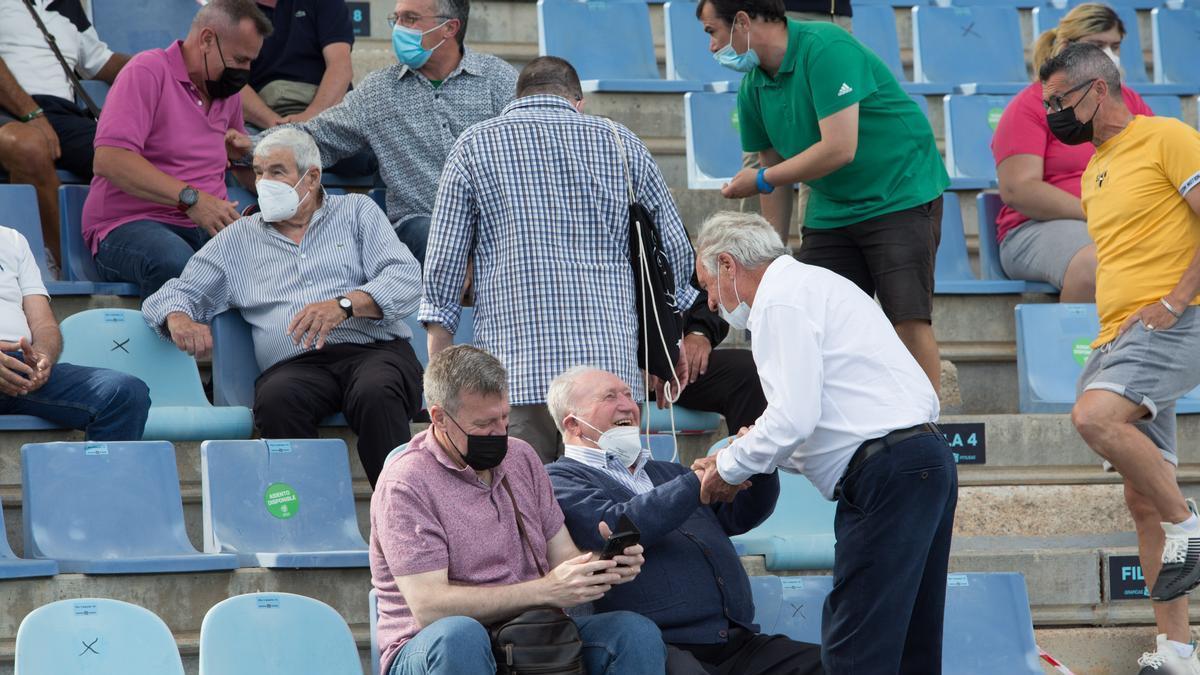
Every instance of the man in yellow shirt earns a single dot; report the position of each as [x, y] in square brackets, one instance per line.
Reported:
[1142, 212]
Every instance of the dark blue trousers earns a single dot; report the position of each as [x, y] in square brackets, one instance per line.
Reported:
[895, 514]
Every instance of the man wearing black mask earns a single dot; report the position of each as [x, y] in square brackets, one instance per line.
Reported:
[171, 124]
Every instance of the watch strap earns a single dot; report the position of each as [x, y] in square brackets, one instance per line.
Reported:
[348, 307]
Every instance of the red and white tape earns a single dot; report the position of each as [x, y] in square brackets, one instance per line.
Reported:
[1054, 662]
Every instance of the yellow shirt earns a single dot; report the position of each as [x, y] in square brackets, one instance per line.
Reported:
[1146, 234]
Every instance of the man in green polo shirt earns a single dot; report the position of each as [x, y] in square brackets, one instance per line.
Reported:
[822, 109]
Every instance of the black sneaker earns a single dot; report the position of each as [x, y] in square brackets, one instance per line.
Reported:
[1181, 562]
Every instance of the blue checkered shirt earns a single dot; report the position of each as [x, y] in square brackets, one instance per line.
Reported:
[537, 196]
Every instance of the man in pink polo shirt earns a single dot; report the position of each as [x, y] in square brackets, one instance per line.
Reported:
[448, 559]
[171, 125]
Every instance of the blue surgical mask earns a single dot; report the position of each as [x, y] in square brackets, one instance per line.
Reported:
[406, 42]
[739, 318]
[742, 63]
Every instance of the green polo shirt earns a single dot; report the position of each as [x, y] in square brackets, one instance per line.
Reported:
[825, 70]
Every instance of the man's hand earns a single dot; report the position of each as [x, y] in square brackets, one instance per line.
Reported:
[1153, 316]
[629, 564]
[213, 214]
[698, 348]
[43, 125]
[713, 488]
[299, 117]
[744, 184]
[190, 336]
[237, 144]
[15, 374]
[579, 580]
[314, 323]
[659, 386]
[40, 363]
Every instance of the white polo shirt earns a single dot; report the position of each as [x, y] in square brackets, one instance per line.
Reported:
[19, 277]
[31, 60]
[834, 373]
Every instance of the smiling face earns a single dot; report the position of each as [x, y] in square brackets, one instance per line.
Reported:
[604, 401]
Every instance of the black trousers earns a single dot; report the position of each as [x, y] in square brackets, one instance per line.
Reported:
[746, 653]
[377, 386]
[730, 387]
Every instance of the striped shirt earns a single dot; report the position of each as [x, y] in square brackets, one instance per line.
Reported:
[254, 268]
[638, 482]
[537, 196]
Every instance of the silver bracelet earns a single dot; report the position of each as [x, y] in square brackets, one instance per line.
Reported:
[1172, 310]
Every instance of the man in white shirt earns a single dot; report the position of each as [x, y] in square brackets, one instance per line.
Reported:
[41, 127]
[848, 407]
[106, 404]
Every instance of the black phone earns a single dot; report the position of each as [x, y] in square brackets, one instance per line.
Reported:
[626, 535]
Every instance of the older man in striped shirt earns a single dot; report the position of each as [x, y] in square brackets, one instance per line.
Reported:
[324, 284]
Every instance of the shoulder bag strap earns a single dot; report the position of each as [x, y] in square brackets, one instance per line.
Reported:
[74, 79]
[624, 159]
[521, 525]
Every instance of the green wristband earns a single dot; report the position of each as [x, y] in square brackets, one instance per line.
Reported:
[37, 112]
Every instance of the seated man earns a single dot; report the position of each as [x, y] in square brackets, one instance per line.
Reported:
[41, 127]
[107, 405]
[325, 286]
[448, 557]
[606, 474]
[172, 123]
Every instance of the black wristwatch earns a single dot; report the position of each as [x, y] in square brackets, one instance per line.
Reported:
[188, 197]
[346, 305]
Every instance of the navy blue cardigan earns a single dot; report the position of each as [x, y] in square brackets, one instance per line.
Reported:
[693, 585]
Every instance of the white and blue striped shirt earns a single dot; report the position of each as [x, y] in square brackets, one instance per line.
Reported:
[638, 481]
[538, 198]
[251, 266]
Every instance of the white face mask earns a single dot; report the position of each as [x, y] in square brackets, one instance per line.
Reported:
[623, 443]
[279, 201]
[740, 316]
[1116, 58]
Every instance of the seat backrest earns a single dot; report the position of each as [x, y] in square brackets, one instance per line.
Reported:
[563, 23]
[714, 146]
[989, 628]
[464, 335]
[987, 209]
[1133, 61]
[96, 636]
[1046, 17]
[78, 264]
[276, 634]
[131, 26]
[97, 90]
[801, 508]
[688, 57]
[875, 27]
[234, 367]
[19, 210]
[373, 614]
[1053, 343]
[952, 263]
[791, 606]
[278, 496]
[954, 45]
[5, 548]
[82, 500]
[121, 340]
[1165, 106]
[1176, 47]
[970, 123]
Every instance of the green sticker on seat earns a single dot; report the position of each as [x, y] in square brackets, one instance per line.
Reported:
[994, 117]
[282, 501]
[1081, 350]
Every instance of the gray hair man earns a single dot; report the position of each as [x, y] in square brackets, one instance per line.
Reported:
[465, 533]
[1139, 196]
[325, 286]
[848, 407]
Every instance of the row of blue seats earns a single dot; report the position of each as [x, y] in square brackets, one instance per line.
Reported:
[251, 634]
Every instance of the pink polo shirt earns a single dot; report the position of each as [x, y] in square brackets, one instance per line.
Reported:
[427, 514]
[156, 111]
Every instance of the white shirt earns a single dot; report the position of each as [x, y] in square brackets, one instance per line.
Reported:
[638, 481]
[834, 373]
[31, 60]
[19, 277]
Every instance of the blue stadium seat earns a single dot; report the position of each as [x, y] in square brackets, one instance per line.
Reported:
[1165, 106]
[970, 122]
[988, 209]
[19, 210]
[799, 534]
[662, 447]
[26, 423]
[78, 264]
[1018, 4]
[420, 344]
[97, 89]
[875, 27]
[313, 525]
[922, 103]
[687, 421]
[131, 26]
[12, 567]
[714, 149]
[108, 508]
[1176, 47]
[631, 67]
[119, 339]
[952, 269]
[373, 614]
[791, 606]
[98, 636]
[276, 634]
[1046, 17]
[1133, 62]
[969, 50]
[688, 58]
[380, 197]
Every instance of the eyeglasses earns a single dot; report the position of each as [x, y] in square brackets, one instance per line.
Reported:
[408, 19]
[1055, 103]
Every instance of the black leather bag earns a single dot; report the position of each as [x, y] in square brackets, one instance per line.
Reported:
[541, 641]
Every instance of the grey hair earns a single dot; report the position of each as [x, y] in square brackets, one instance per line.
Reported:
[1081, 62]
[560, 397]
[304, 148]
[463, 369]
[456, 9]
[748, 237]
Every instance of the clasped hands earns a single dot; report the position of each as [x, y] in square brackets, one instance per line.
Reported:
[19, 377]
[713, 487]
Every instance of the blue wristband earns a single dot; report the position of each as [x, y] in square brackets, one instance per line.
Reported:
[763, 186]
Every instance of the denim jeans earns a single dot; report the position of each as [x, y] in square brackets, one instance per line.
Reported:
[147, 253]
[106, 404]
[413, 232]
[614, 643]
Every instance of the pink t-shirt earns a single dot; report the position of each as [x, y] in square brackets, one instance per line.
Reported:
[1023, 131]
[156, 111]
[427, 514]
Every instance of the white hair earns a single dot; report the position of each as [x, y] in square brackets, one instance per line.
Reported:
[748, 237]
[303, 147]
[560, 397]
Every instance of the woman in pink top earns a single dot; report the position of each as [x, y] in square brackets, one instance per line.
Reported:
[1041, 229]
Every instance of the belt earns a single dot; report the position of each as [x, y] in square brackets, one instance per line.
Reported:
[870, 448]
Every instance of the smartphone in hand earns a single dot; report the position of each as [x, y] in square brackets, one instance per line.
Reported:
[626, 535]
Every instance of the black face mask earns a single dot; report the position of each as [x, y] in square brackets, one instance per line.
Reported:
[484, 451]
[1067, 128]
[231, 81]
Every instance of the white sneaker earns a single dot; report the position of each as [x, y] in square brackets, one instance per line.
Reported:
[1180, 571]
[1167, 661]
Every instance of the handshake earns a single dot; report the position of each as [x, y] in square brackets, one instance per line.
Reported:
[713, 487]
